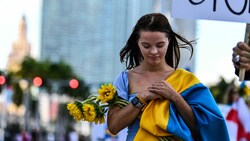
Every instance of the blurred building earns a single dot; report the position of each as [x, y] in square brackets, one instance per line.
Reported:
[20, 48]
[88, 34]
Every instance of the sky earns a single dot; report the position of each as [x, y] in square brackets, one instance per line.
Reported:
[213, 51]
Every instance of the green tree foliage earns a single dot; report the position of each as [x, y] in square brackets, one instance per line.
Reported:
[18, 94]
[219, 89]
[52, 74]
[45, 69]
[56, 78]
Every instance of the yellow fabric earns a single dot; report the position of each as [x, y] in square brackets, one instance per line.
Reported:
[154, 119]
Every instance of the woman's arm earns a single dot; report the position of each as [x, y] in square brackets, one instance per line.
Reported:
[120, 118]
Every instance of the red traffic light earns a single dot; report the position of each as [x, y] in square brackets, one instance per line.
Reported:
[73, 83]
[37, 81]
[2, 80]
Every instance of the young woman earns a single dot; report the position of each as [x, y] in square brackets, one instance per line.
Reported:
[166, 101]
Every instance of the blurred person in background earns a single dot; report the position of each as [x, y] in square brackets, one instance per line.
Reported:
[238, 115]
[165, 101]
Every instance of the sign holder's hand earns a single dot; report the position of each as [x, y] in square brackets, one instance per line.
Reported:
[247, 40]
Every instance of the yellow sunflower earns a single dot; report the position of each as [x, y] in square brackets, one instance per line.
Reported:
[75, 111]
[89, 112]
[93, 108]
[107, 93]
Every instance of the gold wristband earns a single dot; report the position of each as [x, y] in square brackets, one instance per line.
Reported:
[142, 101]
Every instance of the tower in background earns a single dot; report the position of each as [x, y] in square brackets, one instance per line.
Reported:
[20, 48]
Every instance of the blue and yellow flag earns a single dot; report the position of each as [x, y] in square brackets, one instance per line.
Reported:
[161, 119]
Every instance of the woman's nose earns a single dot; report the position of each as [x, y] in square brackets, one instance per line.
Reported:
[153, 50]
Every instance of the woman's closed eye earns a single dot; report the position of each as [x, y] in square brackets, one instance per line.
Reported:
[160, 45]
[145, 45]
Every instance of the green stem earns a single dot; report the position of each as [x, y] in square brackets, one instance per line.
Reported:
[91, 98]
[104, 106]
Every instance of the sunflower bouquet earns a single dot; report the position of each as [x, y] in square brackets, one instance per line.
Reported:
[93, 109]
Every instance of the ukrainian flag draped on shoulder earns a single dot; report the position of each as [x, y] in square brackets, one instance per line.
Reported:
[161, 118]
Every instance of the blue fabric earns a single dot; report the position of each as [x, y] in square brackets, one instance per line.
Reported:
[121, 83]
[210, 124]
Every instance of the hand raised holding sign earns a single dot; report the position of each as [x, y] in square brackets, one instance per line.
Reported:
[241, 56]
[241, 60]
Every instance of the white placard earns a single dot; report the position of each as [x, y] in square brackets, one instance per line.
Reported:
[224, 10]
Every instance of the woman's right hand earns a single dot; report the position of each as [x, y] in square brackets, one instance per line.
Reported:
[148, 96]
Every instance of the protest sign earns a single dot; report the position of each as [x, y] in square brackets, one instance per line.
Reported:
[225, 10]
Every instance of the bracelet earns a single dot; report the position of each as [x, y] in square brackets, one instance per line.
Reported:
[142, 101]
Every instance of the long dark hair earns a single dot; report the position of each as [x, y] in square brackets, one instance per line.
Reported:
[130, 53]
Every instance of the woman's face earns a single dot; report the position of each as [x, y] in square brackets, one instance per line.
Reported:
[153, 46]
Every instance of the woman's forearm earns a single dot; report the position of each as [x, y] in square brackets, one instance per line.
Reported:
[120, 118]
